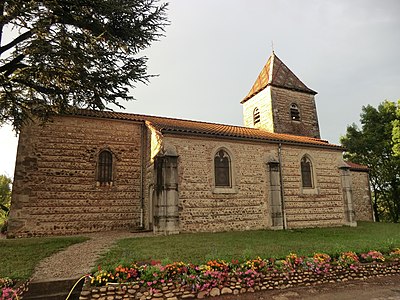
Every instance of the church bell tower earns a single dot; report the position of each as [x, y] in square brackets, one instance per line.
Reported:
[279, 102]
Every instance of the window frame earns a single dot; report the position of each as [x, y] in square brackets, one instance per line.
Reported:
[313, 189]
[256, 116]
[306, 173]
[295, 112]
[105, 168]
[219, 189]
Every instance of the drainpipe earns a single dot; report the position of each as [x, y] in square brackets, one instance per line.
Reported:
[142, 165]
[281, 183]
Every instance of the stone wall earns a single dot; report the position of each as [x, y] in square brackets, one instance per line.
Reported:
[55, 190]
[321, 205]
[281, 101]
[262, 101]
[361, 196]
[246, 205]
[202, 206]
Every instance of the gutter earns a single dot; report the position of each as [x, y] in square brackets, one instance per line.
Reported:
[142, 165]
[281, 183]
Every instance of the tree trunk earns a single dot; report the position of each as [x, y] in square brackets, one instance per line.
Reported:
[375, 204]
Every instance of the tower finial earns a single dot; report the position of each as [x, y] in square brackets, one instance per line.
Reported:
[272, 47]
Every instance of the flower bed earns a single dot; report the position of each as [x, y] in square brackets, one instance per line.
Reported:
[10, 290]
[180, 281]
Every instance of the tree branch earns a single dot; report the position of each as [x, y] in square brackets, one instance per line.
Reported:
[9, 66]
[19, 39]
[40, 89]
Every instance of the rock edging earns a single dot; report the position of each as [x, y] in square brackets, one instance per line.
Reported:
[235, 285]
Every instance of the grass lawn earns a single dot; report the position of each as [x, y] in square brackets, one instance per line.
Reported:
[19, 257]
[201, 247]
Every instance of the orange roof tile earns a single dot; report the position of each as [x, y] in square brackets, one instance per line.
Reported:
[179, 126]
[357, 167]
[276, 73]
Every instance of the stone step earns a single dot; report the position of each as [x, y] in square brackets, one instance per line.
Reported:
[56, 289]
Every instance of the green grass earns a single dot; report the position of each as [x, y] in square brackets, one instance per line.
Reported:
[19, 257]
[200, 247]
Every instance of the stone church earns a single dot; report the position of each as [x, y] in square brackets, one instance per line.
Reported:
[90, 171]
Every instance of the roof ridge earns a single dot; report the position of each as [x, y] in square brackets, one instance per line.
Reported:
[271, 67]
[291, 72]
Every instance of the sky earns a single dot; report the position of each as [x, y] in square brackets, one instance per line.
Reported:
[213, 50]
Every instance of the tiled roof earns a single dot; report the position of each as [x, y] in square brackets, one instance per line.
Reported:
[357, 167]
[276, 73]
[179, 126]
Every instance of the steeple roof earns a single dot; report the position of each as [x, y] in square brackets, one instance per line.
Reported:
[276, 73]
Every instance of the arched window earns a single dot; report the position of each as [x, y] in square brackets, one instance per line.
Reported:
[256, 116]
[294, 112]
[222, 169]
[104, 167]
[306, 172]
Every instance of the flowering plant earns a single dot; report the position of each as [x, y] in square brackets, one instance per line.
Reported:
[8, 293]
[319, 263]
[127, 273]
[258, 264]
[372, 256]
[218, 272]
[395, 254]
[102, 277]
[322, 258]
[348, 259]
[6, 282]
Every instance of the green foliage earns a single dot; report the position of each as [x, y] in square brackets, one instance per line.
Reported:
[5, 199]
[82, 54]
[396, 132]
[19, 257]
[197, 248]
[373, 145]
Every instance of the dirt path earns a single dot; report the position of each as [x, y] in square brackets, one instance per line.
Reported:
[79, 259]
[379, 288]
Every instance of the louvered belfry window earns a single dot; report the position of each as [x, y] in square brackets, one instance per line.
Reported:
[104, 171]
[294, 112]
[306, 172]
[256, 116]
[222, 169]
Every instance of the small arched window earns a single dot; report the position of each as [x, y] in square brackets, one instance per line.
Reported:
[222, 169]
[306, 172]
[294, 112]
[104, 167]
[256, 116]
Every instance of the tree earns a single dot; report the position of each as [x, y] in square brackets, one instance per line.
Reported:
[5, 195]
[372, 145]
[73, 54]
[396, 132]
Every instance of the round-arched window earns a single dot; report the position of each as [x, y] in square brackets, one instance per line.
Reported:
[294, 112]
[222, 166]
[256, 116]
[104, 167]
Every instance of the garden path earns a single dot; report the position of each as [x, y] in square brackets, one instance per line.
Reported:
[79, 259]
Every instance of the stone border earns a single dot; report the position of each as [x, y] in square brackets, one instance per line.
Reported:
[234, 285]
